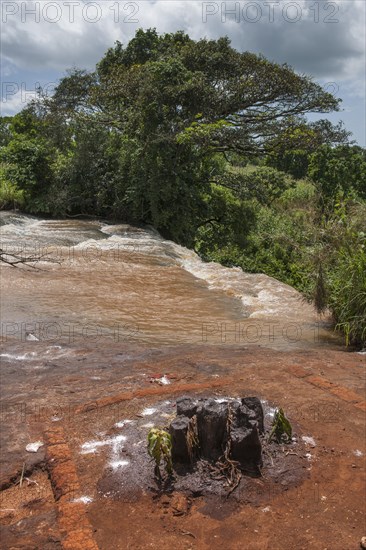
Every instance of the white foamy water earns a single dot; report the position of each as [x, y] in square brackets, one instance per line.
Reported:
[19, 357]
[130, 284]
[52, 352]
[262, 296]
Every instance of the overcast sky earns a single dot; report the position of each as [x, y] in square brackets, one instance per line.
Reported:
[41, 39]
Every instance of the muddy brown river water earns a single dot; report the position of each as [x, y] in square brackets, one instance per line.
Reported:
[120, 283]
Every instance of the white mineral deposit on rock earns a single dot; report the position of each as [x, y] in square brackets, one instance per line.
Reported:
[33, 447]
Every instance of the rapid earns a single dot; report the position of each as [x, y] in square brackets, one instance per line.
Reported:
[103, 283]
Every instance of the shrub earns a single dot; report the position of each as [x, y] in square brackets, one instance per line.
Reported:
[10, 195]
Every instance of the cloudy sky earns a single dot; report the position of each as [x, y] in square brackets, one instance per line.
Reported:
[41, 39]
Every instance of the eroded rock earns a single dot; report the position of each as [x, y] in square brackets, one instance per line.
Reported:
[254, 404]
[178, 431]
[246, 447]
[211, 428]
[186, 406]
[232, 426]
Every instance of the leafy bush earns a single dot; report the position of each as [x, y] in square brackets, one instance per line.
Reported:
[10, 195]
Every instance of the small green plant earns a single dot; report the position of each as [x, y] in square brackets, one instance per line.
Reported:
[159, 446]
[281, 427]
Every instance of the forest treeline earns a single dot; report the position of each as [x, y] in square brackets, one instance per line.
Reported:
[214, 149]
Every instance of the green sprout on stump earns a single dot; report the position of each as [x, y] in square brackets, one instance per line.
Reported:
[159, 446]
[281, 427]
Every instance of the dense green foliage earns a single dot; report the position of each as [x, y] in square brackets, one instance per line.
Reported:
[322, 254]
[210, 146]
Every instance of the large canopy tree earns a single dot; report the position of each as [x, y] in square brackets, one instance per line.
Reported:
[171, 85]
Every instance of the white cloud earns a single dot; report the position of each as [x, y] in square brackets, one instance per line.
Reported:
[15, 98]
[312, 44]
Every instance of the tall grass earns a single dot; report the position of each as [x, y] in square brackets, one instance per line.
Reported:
[347, 295]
